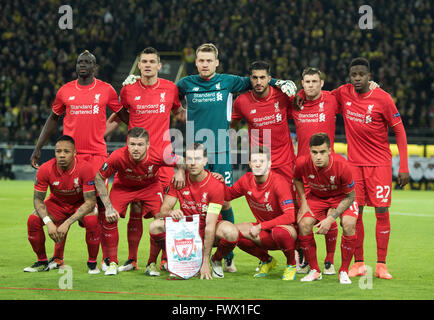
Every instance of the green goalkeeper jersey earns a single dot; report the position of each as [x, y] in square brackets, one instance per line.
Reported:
[209, 108]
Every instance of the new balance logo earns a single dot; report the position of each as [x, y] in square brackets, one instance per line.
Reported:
[253, 111]
[311, 176]
[196, 89]
[137, 98]
[71, 98]
[348, 103]
[56, 183]
[186, 193]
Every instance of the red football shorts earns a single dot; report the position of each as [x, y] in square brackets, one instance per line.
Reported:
[60, 211]
[150, 198]
[373, 186]
[165, 175]
[320, 207]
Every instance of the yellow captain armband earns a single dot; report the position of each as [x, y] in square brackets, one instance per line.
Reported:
[214, 208]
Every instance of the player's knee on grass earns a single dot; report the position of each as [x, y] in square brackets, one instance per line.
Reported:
[157, 226]
[227, 231]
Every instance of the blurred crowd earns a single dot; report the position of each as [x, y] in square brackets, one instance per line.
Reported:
[37, 57]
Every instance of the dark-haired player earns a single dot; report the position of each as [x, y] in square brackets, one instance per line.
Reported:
[72, 198]
[136, 166]
[84, 102]
[368, 114]
[331, 187]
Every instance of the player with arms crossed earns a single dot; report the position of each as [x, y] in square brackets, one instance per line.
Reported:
[331, 186]
[204, 195]
[137, 166]
[150, 102]
[72, 198]
[272, 205]
[367, 115]
[84, 103]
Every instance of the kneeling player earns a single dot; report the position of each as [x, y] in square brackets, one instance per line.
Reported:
[204, 195]
[331, 186]
[72, 198]
[273, 207]
[136, 180]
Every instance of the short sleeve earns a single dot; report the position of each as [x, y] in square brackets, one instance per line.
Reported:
[124, 98]
[58, 106]
[113, 100]
[109, 167]
[41, 180]
[236, 113]
[88, 179]
[218, 193]
[176, 102]
[347, 179]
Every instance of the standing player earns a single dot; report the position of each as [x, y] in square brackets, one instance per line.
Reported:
[273, 207]
[265, 110]
[204, 195]
[316, 114]
[72, 198]
[84, 103]
[150, 103]
[137, 166]
[331, 186]
[367, 115]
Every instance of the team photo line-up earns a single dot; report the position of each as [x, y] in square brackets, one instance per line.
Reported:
[290, 195]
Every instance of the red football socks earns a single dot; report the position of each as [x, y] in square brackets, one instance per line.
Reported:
[36, 236]
[110, 240]
[251, 248]
[360, 232]
[223, 248]
[330, 240]
[308, 245]
[93, 236]
[382, 234]
[285, 242]
[134, 234]
[347, 251]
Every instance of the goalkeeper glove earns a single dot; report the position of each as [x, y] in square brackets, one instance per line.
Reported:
[287, 86]
[131, 79]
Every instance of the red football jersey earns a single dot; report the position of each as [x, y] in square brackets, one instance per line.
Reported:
[150, 108]
[132, 174]
[66, 187]
[334, 180]
[267, 201]
[85, 118]
[195, 197]
[269, 113]
[315, 116]
[367, 117]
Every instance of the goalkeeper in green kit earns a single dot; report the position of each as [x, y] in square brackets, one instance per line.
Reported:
[208, 97]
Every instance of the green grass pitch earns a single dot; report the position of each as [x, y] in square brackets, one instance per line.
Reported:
[410, 261]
